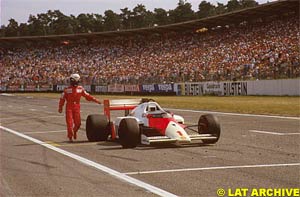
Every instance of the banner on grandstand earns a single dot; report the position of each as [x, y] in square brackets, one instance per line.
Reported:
[30, 88]
[194, 89]
[165, 87]
[61, 88]
[87, 88]
[132, 88]
[234, 88]
[148, 88]
[3, 88]
[213, 88]
[157, 88]
[115, 88]
[179, 88]
[44, 88]
[100, 89]
[15, 88]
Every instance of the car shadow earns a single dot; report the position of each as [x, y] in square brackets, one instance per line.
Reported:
[116, 146]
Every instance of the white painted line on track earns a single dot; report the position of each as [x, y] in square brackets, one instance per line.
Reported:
[234, 114]
[272, 133]
[12, 118]
[98, 166]
[6, 94]
[213, 168]
[32, 132]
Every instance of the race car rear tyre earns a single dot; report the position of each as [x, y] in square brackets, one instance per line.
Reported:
[209, 124]
[129, 133]
[97, 128]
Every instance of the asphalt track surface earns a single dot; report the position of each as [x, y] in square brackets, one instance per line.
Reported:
[36, 160]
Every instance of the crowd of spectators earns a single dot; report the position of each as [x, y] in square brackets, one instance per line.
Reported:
[264, 50]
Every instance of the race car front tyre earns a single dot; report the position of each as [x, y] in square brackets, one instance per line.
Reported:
[129, 133]
[209, 124]
[97, 128]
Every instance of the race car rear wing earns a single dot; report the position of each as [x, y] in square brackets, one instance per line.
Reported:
[120, 104]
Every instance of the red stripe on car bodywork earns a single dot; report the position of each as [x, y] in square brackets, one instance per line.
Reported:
[160, 123]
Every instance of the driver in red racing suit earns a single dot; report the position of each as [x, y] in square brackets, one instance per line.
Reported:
[72, 95]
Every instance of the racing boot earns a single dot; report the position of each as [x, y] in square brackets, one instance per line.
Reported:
[70, 138]
[75, 135]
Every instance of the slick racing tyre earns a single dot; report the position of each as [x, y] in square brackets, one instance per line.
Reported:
[129, 133]
[209, 124]
[97, 128]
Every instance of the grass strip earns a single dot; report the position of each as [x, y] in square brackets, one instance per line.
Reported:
[268, 105]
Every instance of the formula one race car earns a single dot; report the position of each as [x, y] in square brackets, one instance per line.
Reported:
[145, 122]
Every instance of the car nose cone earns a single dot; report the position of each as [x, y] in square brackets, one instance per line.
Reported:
[175, 131]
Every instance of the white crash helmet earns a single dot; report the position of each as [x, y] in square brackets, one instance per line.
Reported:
[75, 77]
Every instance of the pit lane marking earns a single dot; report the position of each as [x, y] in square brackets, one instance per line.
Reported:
[79, 143]
[39, 132]
[273, 133]
[112, 172]
[234, 114]
[51, 143]
[212, 168]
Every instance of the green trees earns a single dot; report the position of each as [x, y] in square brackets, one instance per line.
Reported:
[183, 12]
[55, 22]
[160, 16]
[112, 21]
[233, 5]
[139, 16]
[126, 16]
[206, 9]
[12, 28]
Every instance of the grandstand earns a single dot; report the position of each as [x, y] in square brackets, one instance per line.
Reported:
[263, 11]
[250, 44]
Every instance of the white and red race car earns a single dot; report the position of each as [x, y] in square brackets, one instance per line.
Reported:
[145, 122]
